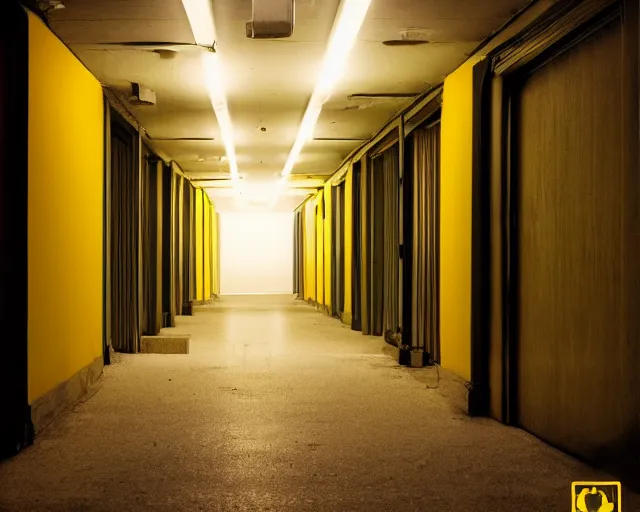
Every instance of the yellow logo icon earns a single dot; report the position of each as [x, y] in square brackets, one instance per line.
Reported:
[596, 497]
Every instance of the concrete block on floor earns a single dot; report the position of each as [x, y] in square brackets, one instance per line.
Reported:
[165, 344]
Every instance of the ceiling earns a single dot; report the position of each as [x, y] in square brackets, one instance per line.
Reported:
[269, 82]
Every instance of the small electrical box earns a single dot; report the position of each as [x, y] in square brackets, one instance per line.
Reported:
[140, 95]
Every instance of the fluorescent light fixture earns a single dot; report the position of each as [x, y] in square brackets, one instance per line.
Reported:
[348, 22]
[213, 74]
[200, 16]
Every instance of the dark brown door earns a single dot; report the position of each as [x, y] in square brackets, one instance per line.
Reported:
[356, 257]
[390, 241]
[341, 240]
[337, 250]
[577, 359]
[187, 215]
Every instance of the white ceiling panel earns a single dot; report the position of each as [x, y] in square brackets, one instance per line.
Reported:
[269, 82]
[92, 21]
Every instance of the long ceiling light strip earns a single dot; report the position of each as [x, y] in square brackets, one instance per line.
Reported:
[213, 74]
[343, 37]
[200, 15]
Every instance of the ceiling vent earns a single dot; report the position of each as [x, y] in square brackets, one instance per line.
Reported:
[271, 19]
[411, 37]
[142, 96]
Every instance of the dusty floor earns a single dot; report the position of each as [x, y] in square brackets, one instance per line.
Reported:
[281, 408]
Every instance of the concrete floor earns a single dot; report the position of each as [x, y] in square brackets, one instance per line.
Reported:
[281, 408]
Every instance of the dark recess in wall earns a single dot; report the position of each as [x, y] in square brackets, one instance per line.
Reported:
[16, 429]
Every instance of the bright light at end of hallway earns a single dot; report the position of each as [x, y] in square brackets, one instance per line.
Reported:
[343, 37]
[263, 193]
[200, 15]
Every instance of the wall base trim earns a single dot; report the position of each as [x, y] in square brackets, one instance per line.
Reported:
[48, 407]
[347, 318]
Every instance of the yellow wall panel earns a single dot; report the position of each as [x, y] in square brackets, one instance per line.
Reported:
[455, 220]
[319, 249]
[207, 248]
[348, 239]
[327, 243]
[65, 213]
[199, 244]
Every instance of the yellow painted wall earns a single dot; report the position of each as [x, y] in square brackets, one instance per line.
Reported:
[310, 249]
[327, 243]
[199, 244]
[319, 249]
[207, 247]
[348, 239]
[455, 220]
[65, 213]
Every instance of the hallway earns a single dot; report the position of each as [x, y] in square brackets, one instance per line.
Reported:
[278, 407]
